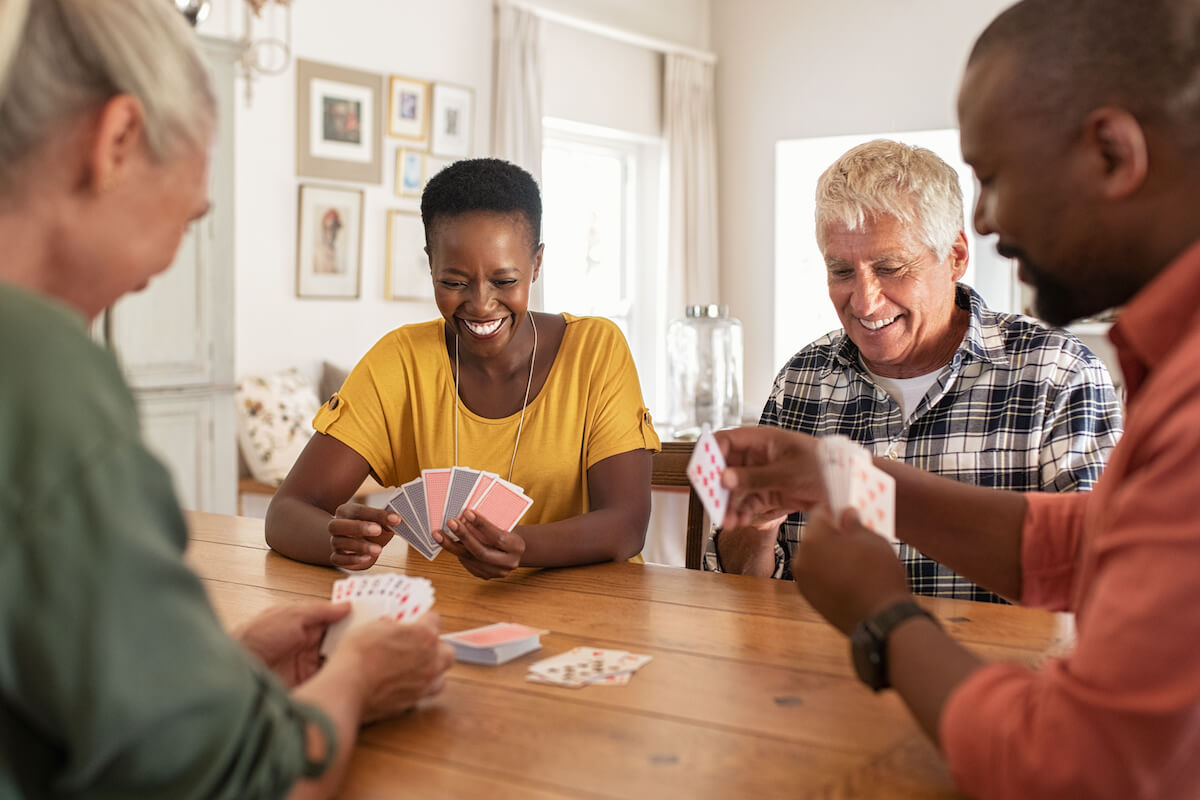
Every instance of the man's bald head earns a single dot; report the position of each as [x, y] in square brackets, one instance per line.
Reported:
[1079, 55]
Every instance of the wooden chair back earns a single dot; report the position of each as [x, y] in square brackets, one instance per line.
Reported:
[669, 469]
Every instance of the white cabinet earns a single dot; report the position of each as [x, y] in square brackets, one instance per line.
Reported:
[175, 339]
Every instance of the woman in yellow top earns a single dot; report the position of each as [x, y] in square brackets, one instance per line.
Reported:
[550, 402]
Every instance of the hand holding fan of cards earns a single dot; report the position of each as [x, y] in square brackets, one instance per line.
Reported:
[851, 481]
[381, 596]
[426, 503]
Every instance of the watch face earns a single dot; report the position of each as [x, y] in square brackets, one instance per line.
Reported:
[867, 653]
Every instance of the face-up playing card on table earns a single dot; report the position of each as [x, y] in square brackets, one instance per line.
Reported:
[704, 471]
[377, 596]
[584, 666]
[503, 505]
[853, 481]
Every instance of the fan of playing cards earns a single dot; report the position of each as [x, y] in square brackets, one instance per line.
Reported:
[425, 503]
[853, 481]
[385, 596]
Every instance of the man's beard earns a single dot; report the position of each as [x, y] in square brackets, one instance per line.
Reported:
[1054, 301]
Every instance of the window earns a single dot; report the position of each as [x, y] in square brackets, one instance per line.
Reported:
[601, 225]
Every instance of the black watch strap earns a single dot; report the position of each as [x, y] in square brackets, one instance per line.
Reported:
[868, 642]
[883, 623]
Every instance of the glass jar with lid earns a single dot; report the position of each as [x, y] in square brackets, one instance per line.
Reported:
[704, 357]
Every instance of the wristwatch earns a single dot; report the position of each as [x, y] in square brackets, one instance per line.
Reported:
[868, 642]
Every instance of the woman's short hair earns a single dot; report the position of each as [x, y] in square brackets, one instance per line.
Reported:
[482, 184]
[909, 183]
[62, 57]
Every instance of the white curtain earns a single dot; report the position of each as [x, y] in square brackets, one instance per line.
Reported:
[517, 106]
[689, 123]
[517, 111]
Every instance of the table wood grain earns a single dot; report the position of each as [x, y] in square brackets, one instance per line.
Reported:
[750, 693]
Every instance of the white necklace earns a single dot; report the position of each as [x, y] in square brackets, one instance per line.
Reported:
[524, 403]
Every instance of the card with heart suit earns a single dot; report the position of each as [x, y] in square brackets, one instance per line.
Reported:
[704, 470]
[587, 666]
[377, 596]
[853, 481]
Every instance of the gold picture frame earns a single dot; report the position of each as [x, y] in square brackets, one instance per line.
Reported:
[407, 274]
[408, 109]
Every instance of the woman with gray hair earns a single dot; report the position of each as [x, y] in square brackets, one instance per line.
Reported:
[116, 679]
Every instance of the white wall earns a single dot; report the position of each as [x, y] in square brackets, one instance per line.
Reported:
[447, 41]
[685, 22]
[450, 40]
[796, 68]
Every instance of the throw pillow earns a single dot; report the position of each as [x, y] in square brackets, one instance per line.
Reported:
[274, 422]
[332, 378]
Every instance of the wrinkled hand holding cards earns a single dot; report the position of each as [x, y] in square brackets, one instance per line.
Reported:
[383, 596]
[425, 503]
[704, 470]
[587, 666]
[853, 481]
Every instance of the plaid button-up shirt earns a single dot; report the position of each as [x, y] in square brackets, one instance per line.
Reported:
[1020, 406]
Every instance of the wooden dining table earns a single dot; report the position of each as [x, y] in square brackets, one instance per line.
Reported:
[749, 693]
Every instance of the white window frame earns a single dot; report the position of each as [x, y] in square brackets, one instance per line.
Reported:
[644, 238]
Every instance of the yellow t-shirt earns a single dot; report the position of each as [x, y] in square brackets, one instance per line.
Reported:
[396, 410]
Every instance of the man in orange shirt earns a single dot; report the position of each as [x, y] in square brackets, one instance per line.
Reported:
[1081, 119]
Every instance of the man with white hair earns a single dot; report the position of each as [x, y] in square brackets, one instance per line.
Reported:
[921, 371]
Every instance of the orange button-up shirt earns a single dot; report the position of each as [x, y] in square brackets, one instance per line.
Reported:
[1120, 716]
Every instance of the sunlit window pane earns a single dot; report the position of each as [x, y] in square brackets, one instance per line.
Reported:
[584, 194]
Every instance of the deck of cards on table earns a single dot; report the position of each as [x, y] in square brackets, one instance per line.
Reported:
[495, 643]
[853, 481]
[380, 596]
[704, 471]
[587, 666]
[425, 503]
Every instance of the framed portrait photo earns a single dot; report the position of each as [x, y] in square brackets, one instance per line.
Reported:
[408, 109]
[453, 120]
[338, 123]
[329, 242]
[411, 172]
[407, 265]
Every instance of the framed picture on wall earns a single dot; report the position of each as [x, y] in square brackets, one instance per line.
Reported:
[407, 265]
[408, 108]
[338, 123]
[453, 120]
[410, 172]
[329, 242]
